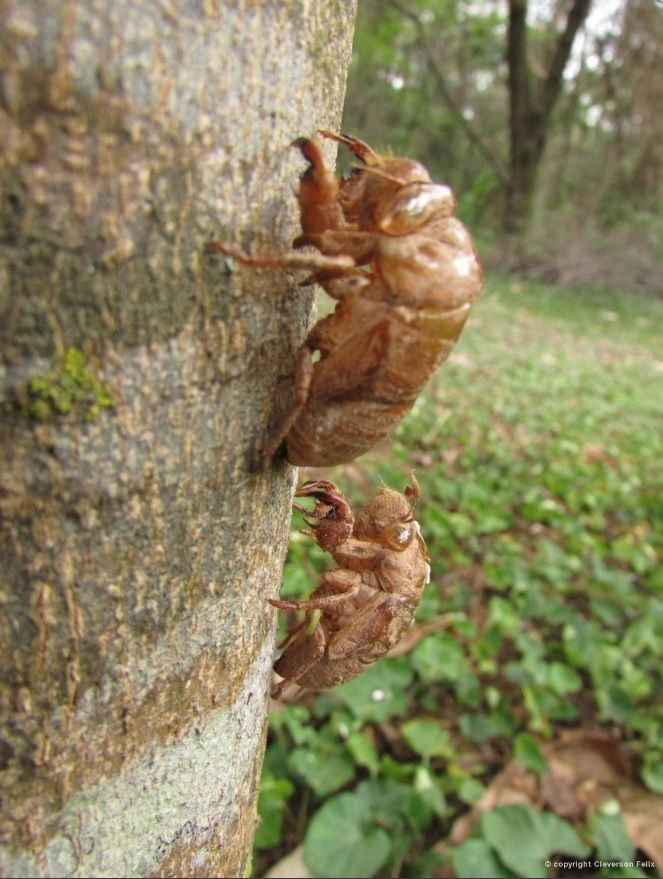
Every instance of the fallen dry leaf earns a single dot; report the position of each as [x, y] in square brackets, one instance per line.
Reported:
[514, 785]
[643, 816]
[585, 770]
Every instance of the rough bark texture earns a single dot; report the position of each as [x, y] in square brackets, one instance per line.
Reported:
[138, 548]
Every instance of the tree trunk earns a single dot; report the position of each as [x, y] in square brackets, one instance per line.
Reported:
[138, 378]
[531, 107]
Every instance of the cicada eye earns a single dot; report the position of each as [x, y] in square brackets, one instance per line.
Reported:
[400, 536]
[427, 199]
[414, 206]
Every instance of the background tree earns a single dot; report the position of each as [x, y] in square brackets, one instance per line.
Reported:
[545, 126]
[629, 101]
[138, 378]
[532, 97]
[532, 100]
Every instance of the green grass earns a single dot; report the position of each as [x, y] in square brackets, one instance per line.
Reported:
[538, 449]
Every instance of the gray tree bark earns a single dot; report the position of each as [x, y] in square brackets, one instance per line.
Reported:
[138, 544]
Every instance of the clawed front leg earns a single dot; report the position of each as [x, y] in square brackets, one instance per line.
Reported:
[316, 262]
[331, 519]
[345, 585]
[360, 149]
[327, 493]
[334, 243]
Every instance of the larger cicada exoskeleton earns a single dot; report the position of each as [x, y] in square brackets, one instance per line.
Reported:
[404, 271]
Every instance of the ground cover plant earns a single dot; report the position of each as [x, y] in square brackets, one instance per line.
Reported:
[519, 724]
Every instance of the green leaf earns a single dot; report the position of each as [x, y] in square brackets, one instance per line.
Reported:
[536, 703]
[503, 615]
[396, 807]
[273, 796]
[524, 839]
[467, 689]
[439, 658]
[563, 679]
[640, 636]
[470, 791]
[475, 858]
[386, 801]
[528, 753]
[487, 645]
[342, 840]
[296, 719]
[478, 727]
[515, 834]
[276, 758]
[636, 682]
[558, 835]
[652, 772]
[393, 770]
[427, 738]
[324, 773]
[363, 752]
[490, 522]
[426, 785]
[461, 525]
[611, 837]
[379, 693]
[427, 864]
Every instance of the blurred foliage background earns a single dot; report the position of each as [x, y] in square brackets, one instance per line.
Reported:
[435, 80]
[517, 730]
